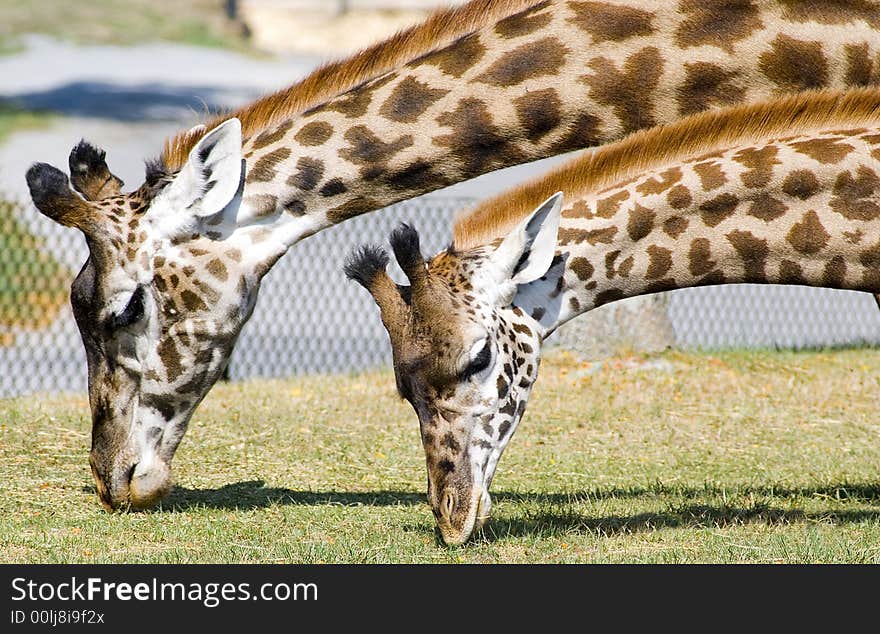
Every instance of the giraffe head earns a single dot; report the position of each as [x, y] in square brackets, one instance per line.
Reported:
[169, 282]
[465, 354]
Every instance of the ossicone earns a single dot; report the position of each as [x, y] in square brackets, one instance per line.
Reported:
[89, 173]
[52, 195]
[407, 250]
[365, 263]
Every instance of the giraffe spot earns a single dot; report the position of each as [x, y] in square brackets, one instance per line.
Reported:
[295, 207]
[456, 59]
[759, 163]
[609, 206]
[504, 427]
[861, 70]
[675, 226]
[706, 85]
[714, 212]
[661, 286]
[801, 184]
[626, 267]
[794, 65]
[409, 100]
[524, 22]
[834, 275]
[526, 347]
[753, 252]
[314, 133]
[854, 237]
[711, 175]
[855, 198]
[309, 173]
[628, 92]
[870, 259]
[596, 236]
[660, 262]
[332, 188]
[216, 268]
[828, 151]
[808, 236]
[171, 359]
[715, 277]
[268, 137]
[611, 295]
[355, 102]
[831, 11]
[767, 208]
[581, 133]
[700, 257]
[535, 59]
[641, 222]
[350, 209]
[262, 204]
[192, 302]
[610, 23]
[502, 386]
[579, 209]
[509, 409]
[475, 142]
[575, 306]
[370, 152]
[610, 259]
[522, 329]
[446, 466]
[679, 197]
[582, 268]
[450, 443]
[791, 273]
[419, 175]
[263, 170]
[209, 293]
[539, 112]
[660, 183]
[719, 23]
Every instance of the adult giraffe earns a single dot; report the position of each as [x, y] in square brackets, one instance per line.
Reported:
[175, 266]
[784, 192]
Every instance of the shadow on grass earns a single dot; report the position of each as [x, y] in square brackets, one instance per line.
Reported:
[254, 494]
[692, 516]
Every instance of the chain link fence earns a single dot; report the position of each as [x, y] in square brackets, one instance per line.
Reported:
[310, 318]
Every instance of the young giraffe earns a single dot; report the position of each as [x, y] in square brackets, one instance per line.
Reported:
[786, 192]
[175, 266]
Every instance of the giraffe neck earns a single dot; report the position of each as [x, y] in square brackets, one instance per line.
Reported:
[557, 77]
[799, 210]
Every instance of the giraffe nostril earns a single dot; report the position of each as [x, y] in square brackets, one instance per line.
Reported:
[447, 503]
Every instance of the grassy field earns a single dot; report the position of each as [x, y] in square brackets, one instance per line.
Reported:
[198, 22]
[728, 457]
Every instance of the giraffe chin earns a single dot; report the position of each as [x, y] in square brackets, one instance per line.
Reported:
[150, 482]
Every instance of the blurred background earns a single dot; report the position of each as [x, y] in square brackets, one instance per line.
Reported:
[125, 74]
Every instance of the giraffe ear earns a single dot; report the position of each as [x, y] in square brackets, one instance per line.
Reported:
[213, 173]
[527, 252]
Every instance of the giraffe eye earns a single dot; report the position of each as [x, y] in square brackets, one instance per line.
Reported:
[479, 362]
[131, 314]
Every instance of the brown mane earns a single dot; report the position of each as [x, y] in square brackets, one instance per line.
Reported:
[691, 137]
[440, 29]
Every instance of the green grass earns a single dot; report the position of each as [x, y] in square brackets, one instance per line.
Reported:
[727, 457]
[197, 22]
